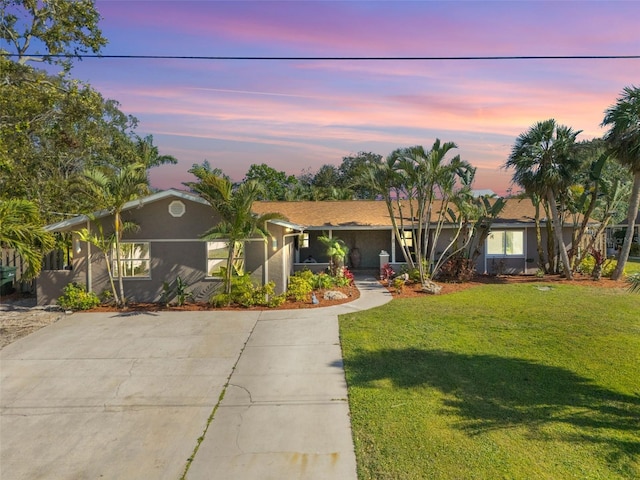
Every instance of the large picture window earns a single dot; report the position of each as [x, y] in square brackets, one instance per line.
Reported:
[505, 242]
[135, 259]
[217, 255]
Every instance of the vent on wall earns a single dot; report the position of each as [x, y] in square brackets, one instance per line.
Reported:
[177, 208]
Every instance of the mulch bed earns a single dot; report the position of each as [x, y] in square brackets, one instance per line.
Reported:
[582, 280]
[351, 292]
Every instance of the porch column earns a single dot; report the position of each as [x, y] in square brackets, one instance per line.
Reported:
[393, 247]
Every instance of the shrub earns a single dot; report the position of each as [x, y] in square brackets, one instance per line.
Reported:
[412, 274]
[457, 269]
[589, 263]
[179, 292]
[75, 297]
[220, 300]
[635, 250]
[398, 284]
[299, 288]
[322, 281]
[276, 300]
[386, 273]
[246, 294]
[343, 278]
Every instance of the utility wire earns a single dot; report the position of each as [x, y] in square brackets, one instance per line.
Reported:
[277, 58]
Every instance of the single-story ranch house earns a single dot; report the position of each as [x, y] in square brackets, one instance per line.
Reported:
[615, 236]
[167, 245]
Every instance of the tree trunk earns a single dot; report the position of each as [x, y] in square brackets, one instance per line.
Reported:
[542, 261]
[123, 299]
[557, 227]
[631, 218]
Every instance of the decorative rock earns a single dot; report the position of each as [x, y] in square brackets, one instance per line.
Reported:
[334, 295]
[431, 287]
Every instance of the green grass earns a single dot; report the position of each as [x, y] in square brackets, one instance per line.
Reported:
[632, 266]
[497, 382]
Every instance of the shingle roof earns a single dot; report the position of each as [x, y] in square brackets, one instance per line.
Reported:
[367, 213]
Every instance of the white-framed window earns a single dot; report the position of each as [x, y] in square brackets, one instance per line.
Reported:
[135, 258]
[217, 255]
[407, 238]
[505, 243]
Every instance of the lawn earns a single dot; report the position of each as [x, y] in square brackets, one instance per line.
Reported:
[632, 266]
[513, 381]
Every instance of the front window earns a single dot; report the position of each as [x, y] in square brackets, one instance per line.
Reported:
[217, 255]
[505, 242]
[135, 260]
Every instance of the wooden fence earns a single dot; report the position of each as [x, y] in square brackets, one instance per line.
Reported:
[55, 260]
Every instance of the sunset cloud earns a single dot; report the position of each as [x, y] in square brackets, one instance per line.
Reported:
[294, 115]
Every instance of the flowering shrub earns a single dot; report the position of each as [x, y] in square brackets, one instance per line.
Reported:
[343, 278]
[386, 272]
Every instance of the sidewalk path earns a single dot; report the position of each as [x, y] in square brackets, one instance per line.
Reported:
[127, 396]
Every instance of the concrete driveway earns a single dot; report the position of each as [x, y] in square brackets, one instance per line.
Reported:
[116, 396]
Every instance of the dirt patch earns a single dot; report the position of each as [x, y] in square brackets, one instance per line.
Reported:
[19, 317]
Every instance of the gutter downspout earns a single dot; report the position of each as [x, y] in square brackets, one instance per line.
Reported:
[285, 277]
[89, 271]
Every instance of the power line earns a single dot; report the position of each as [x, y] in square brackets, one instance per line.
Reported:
[284, 58]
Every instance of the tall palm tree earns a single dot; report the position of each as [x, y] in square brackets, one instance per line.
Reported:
[111, 188]
[234, 206]
[429, 176]
[544, 162]
[623, 138]
[21, 230]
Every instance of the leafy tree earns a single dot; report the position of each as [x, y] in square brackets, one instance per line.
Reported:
[234, 206]
[623, 137]
[327, 176]
[276, 183]
[544, 161]
[52, 128]
[352, 168]
[57, 29]
[21, 229]
[602, 188]
[112, 187]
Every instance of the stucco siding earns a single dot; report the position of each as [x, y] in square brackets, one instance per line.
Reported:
[155, 221]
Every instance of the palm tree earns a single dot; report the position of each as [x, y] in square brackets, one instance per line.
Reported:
[21, 230]
[105, 243]
[623, 138]
[111, 188]
[337, 251]
[234, 206]
[544, 163]
[149, 155]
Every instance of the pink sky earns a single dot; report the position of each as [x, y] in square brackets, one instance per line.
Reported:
[296, 115]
